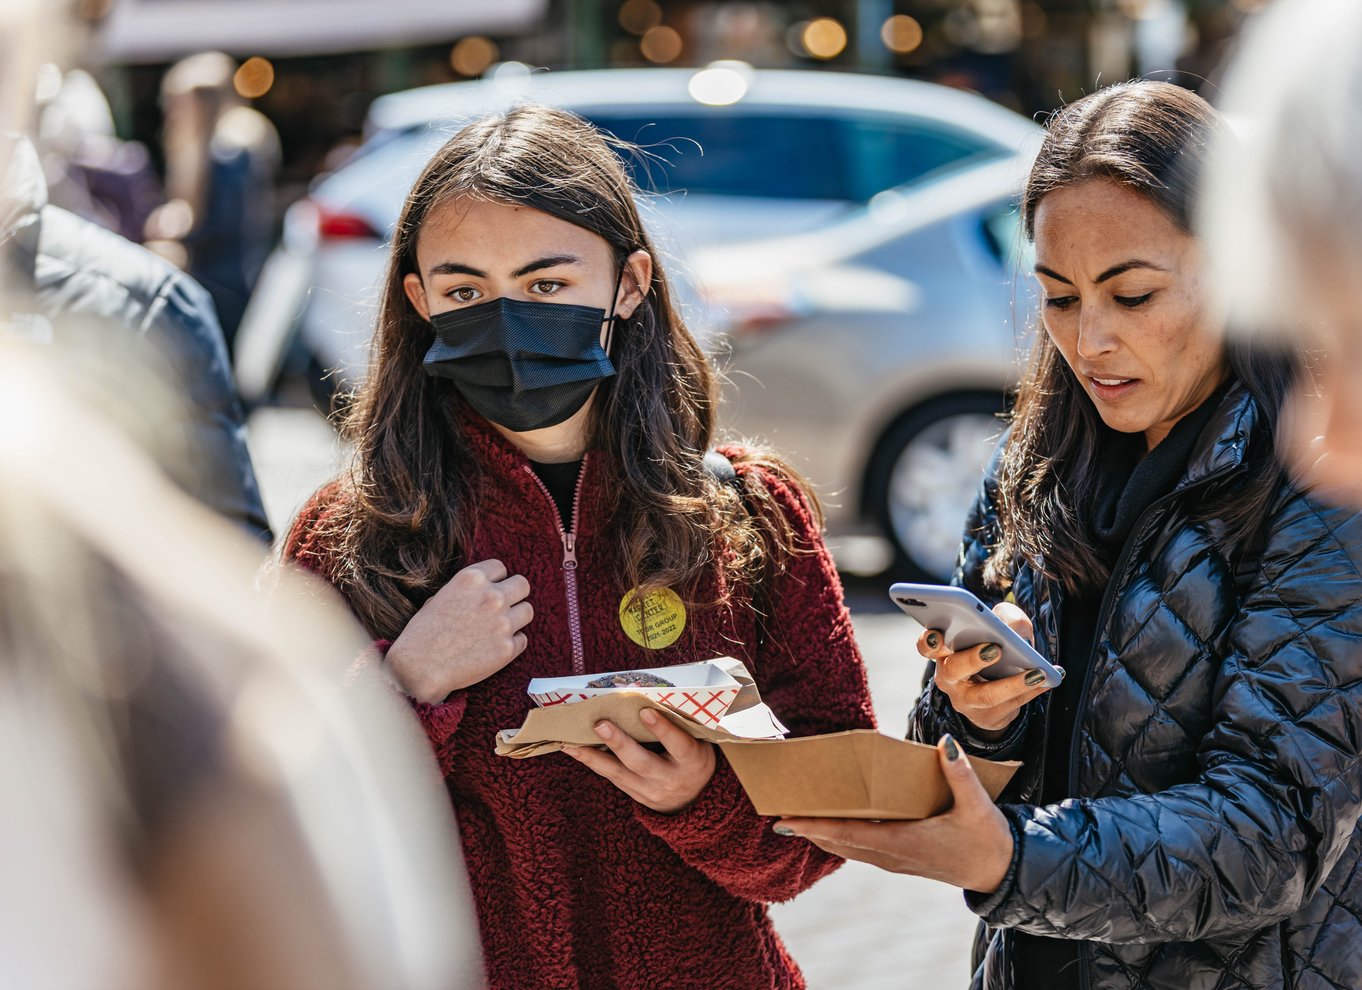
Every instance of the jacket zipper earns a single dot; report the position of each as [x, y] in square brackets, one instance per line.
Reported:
[1108, 599]
[1006, 946]
[569, 541]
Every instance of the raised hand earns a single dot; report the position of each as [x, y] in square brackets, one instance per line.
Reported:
[467, 631]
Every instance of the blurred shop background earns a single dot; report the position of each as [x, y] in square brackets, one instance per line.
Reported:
[833, 179]
[322, 64]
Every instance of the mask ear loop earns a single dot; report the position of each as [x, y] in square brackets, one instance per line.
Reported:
[612, 319]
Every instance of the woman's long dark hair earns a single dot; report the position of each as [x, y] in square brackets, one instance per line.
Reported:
[1152, 138]
[404, 512]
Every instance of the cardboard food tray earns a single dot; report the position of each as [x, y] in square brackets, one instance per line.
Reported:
[547, 730]
[860, 773]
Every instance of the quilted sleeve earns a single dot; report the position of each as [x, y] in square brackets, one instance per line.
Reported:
[1279, 790]
[810, 672]
[933, 716]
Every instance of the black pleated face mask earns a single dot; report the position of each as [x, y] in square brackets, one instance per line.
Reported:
[522, 364]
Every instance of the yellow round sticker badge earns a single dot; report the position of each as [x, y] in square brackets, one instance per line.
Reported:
[660, 621]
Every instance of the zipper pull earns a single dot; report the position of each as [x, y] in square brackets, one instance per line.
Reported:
[569, 551]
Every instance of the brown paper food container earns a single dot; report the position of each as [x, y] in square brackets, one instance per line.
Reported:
[861, 773]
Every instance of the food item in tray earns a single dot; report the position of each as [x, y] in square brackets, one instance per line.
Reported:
[629, 678]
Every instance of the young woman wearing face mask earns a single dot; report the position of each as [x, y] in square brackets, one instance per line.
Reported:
[530, 497]
[1187, 811]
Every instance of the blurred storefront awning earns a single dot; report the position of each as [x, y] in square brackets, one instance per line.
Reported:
[161, 30]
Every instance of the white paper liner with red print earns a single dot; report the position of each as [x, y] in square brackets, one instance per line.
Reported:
[701, 691]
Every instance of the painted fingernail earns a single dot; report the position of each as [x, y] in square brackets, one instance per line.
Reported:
[990, 653]
[1034, 677]
[782, 830]
[603, 730]
[648, 716]
[933, 640]
[952, 750]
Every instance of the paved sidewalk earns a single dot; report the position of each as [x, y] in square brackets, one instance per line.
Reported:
[862, 928]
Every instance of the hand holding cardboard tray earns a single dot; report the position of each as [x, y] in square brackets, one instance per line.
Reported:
[547, 730]
[859, 773]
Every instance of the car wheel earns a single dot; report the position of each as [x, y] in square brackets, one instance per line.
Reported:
[924, 478]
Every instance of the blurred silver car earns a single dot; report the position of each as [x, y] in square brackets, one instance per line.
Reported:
[876, 352]
[732, 152]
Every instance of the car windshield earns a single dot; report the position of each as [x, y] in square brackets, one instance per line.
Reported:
[786, 155]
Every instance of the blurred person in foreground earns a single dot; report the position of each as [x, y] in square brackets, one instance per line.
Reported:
[1283, 218]
[221, 158]
[192, 800]
[1187, 812]
[66, 280]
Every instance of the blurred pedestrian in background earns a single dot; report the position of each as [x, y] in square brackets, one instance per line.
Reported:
[70, 281]
[67, 281]
[1187, 810]
[1283, 219]
[531, 497]
[221, 158]
[90, 171]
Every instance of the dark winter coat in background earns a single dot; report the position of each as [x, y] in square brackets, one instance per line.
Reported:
[69, 280]
[1211, 839]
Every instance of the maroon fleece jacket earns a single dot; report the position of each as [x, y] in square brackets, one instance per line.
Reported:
[576, 884]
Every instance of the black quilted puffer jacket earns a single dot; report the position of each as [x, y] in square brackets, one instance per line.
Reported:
[1212, 839]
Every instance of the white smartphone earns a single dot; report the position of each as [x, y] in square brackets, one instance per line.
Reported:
[965, 621]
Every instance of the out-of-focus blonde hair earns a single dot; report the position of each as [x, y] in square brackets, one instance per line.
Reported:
[1290, 185]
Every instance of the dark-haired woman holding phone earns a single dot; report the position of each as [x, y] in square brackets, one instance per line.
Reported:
[1187, 812]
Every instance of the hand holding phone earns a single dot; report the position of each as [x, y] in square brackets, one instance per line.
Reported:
[986, 669]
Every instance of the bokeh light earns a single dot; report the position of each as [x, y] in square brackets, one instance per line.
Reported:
[472, 56]
[640, 16]
[824, 38]
[720, 84]
[901, 34]
[254, 78]
[661, 44]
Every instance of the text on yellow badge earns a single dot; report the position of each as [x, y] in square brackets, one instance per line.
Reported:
[655, 622]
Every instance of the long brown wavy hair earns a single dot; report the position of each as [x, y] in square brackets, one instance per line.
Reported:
[1153, 138]
[405, 507]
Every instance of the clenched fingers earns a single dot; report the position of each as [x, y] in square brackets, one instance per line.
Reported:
[492, 569]
[520, 615]
[514, 589]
